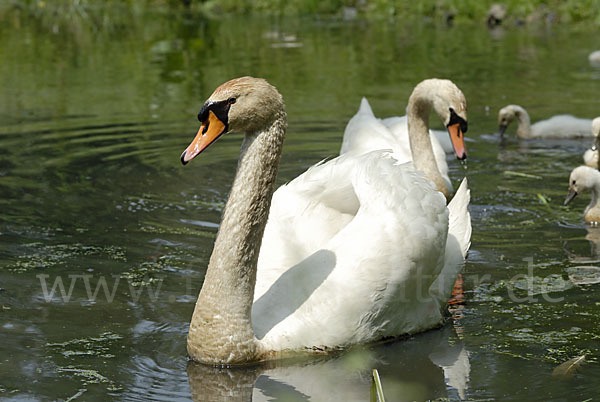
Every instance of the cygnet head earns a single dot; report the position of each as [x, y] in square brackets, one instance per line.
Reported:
[242, 104]
[582, 178]
[505, 116]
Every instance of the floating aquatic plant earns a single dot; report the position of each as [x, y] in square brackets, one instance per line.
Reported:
[376, 388]
[568, 369]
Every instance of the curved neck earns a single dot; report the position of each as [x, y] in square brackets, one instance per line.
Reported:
[419, 107]
[523, 122]
[221, 331]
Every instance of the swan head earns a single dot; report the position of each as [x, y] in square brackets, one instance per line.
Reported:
[505, 116]
[582, 178]
[242, 104]
[450, 104]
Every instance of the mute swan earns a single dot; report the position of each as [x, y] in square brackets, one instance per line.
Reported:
[560, 126]
[586, 178]
[364, 133]
[398, 125]
[357, 249]
[358, 133]
[590, 156]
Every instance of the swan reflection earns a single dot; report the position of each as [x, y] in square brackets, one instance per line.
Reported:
[593, 236]
[429, 366]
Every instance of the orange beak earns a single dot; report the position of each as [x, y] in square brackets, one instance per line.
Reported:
[458, 142]
[209, 132]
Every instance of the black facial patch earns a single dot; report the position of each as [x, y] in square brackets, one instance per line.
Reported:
[456, 119]
[220, 109]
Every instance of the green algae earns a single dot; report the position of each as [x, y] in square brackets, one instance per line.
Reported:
[149, 272]
[89, 376]
[43, 256]
[86, 347]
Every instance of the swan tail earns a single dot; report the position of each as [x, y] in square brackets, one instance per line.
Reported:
[457, 245]
[364, 132]
[459, 224]
[365, 107]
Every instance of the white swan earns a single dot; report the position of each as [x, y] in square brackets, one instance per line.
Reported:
[584, 178]
[590, 156]
[560, 126]
[358, 134]
[357, 249]
[594, 58]
[345, 378]
[364, 133]
[399, 126]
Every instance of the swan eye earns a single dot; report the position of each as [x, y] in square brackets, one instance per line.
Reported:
[456, 119]
[574, 181]
[231, 101]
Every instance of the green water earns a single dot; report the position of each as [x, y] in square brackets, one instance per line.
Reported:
[93, 118]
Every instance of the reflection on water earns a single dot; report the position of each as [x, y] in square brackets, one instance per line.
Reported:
[104, 237]
[434, 365]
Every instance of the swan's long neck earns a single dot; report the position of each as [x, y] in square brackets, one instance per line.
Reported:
[523, 122]
[221, 331]
[419, 107]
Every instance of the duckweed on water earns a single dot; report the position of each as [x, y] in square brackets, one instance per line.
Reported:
[547, 338]
[521, 287]
[90, 376]
[151, 203]
[146, 272]
[157, 228]
[42, 256]
[92, 346]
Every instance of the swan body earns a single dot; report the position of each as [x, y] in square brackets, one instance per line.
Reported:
[398, 125]
[590, 156]
[366, 230]
[391, 133]
[358, 249]
[584, 178]
[357, 135]
[559, 126]
[594, 58]
[364, 133]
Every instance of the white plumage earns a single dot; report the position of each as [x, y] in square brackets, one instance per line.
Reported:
[358, 249]
[559, 126]
[366, 238]
[590, 156]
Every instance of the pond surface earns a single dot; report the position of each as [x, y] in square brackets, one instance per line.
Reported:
[104, 236]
